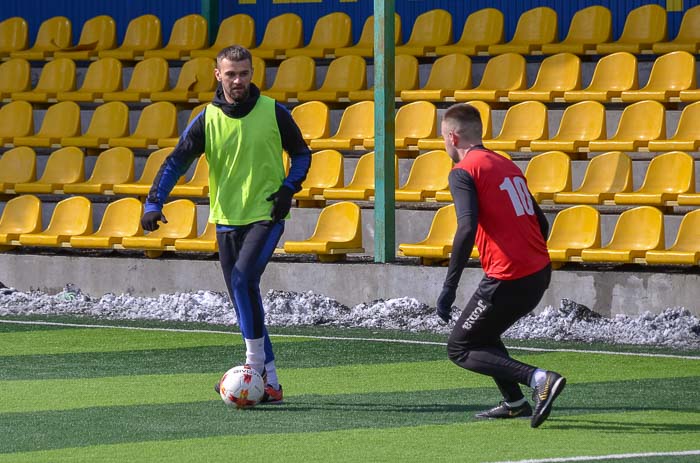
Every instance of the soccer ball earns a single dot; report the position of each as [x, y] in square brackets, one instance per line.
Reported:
[241, 387]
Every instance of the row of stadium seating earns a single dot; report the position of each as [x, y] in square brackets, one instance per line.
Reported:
[645, 31]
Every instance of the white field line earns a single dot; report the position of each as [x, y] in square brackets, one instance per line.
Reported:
[618, 456]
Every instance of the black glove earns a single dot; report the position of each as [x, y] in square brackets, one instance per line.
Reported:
[281, 203]
[149, 221]
[444, 303]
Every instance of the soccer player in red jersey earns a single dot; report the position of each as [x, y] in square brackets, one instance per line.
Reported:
[496, 211]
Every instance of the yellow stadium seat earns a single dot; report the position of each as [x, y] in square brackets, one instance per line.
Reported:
[206, 242]
[612, 75]
[14, 36]
[690, 95]
[448, 74]
[17, 165]
[437, 246]
[414, 121]
[282, 33]
[142, 33]
[63, 166]
[112, 167]
[428, 175]
[573, 230]
[108, 121]
[331, 31]
[56, 76]
[294, 75]
[98, 33]
[502, 74]
[71, 217]
[685, 249]
[143, 185]
[238, 29]
[338, 232]
[688, 37]
[356, 125]
[196, 76]
[557, 74]
[102, 76]
[22, 214]
[345, 74]
[547, 174]
[670, 74]
[438, 143]
[365, 45]
[14, 77]
[580, 123]
[405, 78]
[172, 141]
[313, 119]
[53, 34]
[326, 171]
[120, 219]
[606, 175]
[481, 29]
[687, 135]
[637, 231]
[644, 26]
[258, 74]
[667, 176]
[361, 186]
[589, 27]
[198, 186]
[523, 123]
[60, 120]
[689, 199]
[16, 120]
[149, 76]
[431, 29]
[157, 120]
[535, 28]
[188, 33]
[639, 123]
[182, 223]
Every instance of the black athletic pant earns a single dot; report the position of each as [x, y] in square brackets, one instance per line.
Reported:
[475, 342]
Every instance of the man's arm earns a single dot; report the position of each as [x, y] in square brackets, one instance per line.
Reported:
[294, 144]
[542, 220]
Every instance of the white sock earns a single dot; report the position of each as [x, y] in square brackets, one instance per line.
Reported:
[255, 353]
[271, 370]
[537, 377]
[516, 404]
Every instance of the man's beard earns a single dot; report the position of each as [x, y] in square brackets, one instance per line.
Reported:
[238, 97]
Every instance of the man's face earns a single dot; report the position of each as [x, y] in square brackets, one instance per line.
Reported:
[450, 138]
[235, 78]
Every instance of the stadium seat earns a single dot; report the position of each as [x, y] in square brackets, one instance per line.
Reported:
[535, 28]
[573, 230]
[688, 37]
[102, 76]
[688, 199]
[331, 31]
[523, 123]
[667, 176]
[112, 167]
[670, 74]
[54, 34]
[56, 76]
[15, 76]
[606, 175]
[481, 29]
[65, 165]
[149, 76]
[637, 231]
[612, 75]
[414, 121]
[188, 33]
[60, 120]
[589, 27]
[16, 120]
[690, 96]
[639, 123]
[361, 186]
[557, 74]
[438, 143]
[326, 171]
[338, 232]
[142, 186]
[198, 185]
[294, 75]
[428, 175]
[172, 141]
[182, 223]
[405, 78]
[687, 135]
[71, 217]
[98, 33]
[502, 74]
[580, 123]
[313, 119]
[344, 75]
[644, 26]
[431, 29]
[21, 215]
[447, 74]
[356, 125]
[437, 246]
[206, 242]
[686, 248]
[121, 218]
[17, 165]
[365, 45]
[238, 29]
[282, 33]
[156, 121]
[142, 33]
[14, 36]
[109, 120]
[548, 173]
[196, 76]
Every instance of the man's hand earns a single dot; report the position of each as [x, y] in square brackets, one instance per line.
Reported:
[444, 303]
[281, 203]
[149, 221]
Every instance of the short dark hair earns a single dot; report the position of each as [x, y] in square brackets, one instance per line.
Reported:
[234, 53]
[464, 119]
